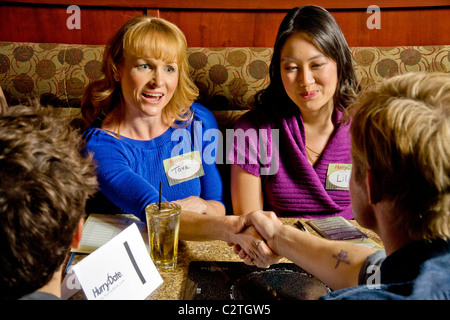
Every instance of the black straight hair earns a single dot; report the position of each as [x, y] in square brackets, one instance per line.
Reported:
[321, 27]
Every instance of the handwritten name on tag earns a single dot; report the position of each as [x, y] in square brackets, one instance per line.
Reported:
[183, 167]
[120, 269]
[338, 176]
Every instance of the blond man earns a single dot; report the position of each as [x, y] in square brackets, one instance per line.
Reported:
[400, 188]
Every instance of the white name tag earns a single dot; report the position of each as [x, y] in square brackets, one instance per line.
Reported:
[338, 176]
[119, 270]
[183, 167]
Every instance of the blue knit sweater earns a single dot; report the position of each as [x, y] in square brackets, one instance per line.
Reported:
[129, 171]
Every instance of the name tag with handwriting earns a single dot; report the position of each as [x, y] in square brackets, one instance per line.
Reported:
[183, 168]
[338, 176]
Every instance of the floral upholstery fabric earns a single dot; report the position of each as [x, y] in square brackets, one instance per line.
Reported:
[228, 78]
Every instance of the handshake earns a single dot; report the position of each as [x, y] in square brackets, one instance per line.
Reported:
[254, 238]
[260, 239]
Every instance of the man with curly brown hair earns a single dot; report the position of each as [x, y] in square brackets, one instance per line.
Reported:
[45, 180]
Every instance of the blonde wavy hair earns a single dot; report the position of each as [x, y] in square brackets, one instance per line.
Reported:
[401, 132]
[141, 36]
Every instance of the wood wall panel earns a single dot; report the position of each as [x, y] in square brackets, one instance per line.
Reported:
[226, 29]
[234, 24]
[259, 29]
[399, 27]
[48, 24]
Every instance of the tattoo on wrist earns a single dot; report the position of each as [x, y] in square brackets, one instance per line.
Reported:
[341, 257]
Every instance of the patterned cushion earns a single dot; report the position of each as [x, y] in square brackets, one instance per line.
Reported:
[55, 73]
[228, 78]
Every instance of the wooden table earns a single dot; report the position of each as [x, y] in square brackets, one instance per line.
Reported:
[175, 281]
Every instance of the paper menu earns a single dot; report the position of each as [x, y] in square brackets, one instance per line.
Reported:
[121, 269]
[100, 228]
[338, 228]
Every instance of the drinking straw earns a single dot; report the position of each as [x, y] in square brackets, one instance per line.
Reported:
[160, 188]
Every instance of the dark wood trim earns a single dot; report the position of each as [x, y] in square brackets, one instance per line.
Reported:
[240, 4]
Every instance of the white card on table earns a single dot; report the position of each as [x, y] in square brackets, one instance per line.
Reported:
[121, 269]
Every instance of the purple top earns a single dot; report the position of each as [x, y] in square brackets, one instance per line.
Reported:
[291, 186]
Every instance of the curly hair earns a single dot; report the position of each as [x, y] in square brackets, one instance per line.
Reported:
[141, 36]
[45, 182]
[401, 132]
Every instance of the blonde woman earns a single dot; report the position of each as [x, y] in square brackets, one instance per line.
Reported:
[142, 119]
[142, 115]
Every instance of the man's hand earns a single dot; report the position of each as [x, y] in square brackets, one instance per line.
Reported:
[250, 244]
